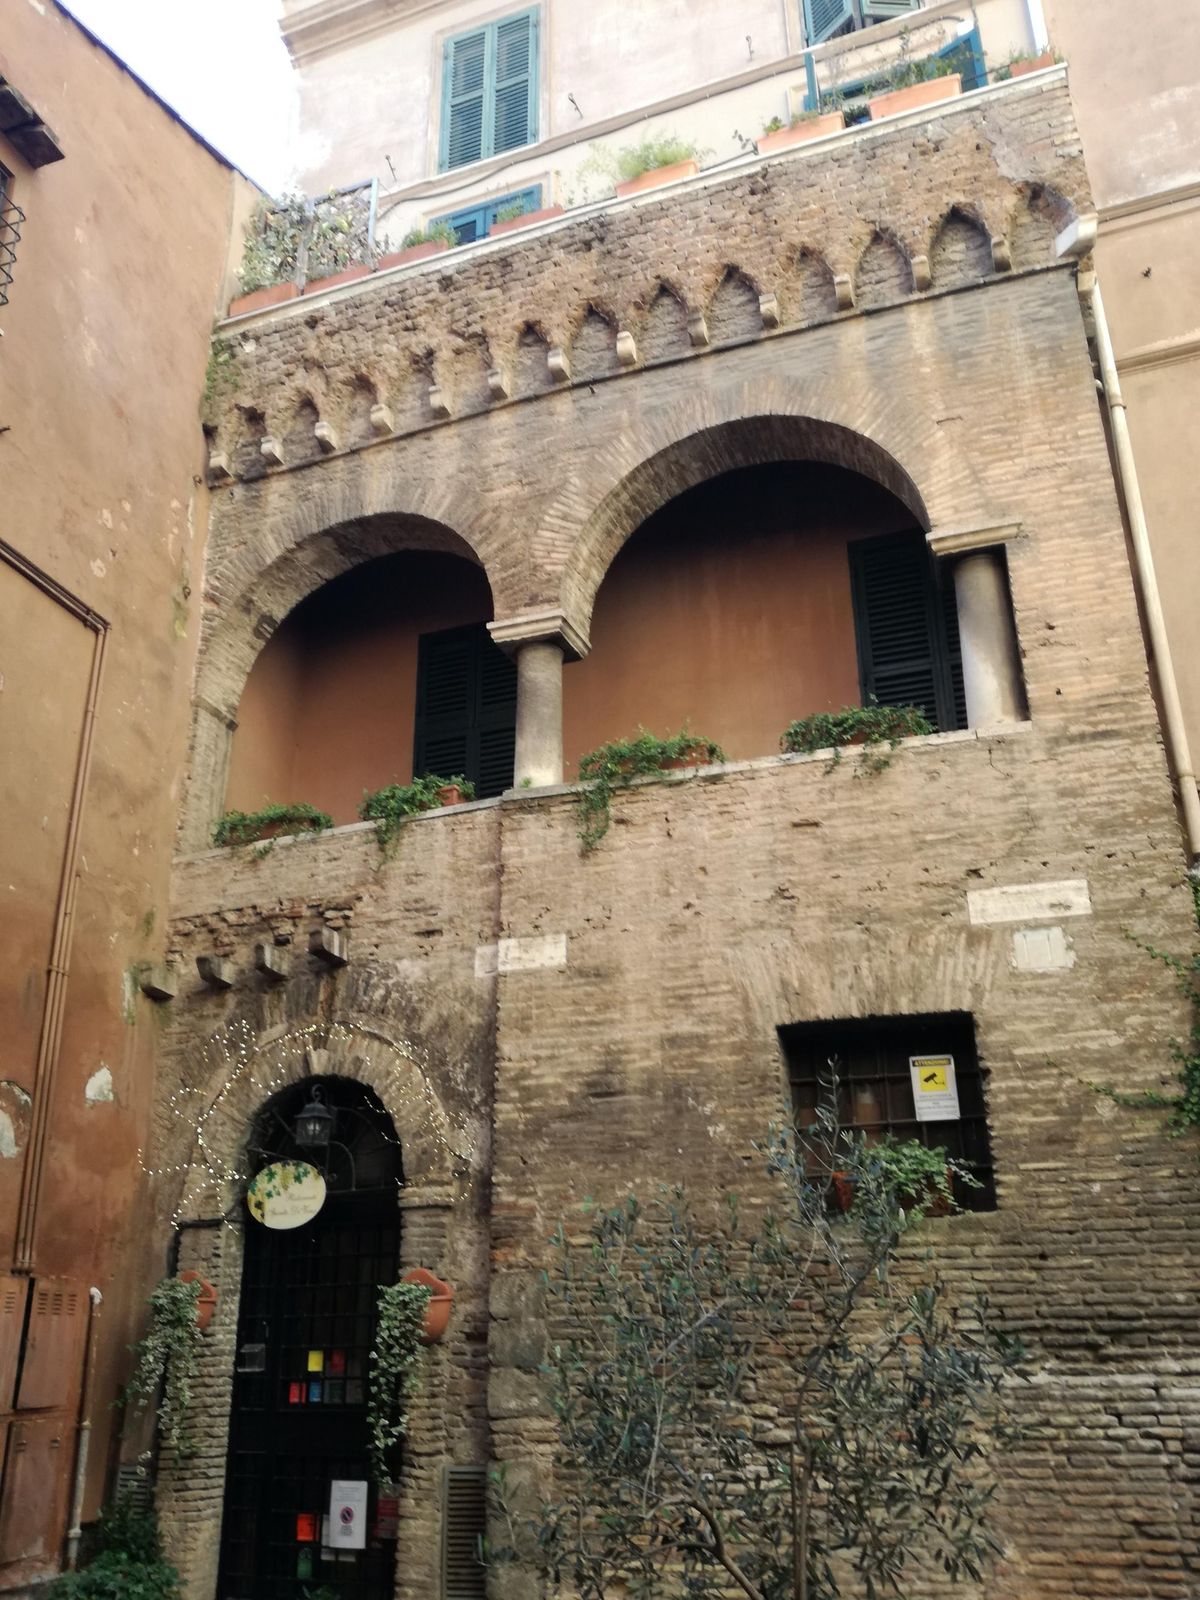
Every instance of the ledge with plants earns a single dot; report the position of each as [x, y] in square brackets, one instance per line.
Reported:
[1022, 62]
[421, 242]
[615, 766]
[655, 161]
[294, 239]
[391, 807]
[879, 729]
[780, 135]
[271, 822]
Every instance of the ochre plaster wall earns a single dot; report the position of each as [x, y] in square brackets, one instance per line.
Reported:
[118, 275]
[328, 709]
[729, 611]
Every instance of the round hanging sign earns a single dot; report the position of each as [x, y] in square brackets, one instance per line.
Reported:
[287, 1194]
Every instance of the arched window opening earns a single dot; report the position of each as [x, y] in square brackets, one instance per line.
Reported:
[382, 674]
[306, 1325]
[762, 596]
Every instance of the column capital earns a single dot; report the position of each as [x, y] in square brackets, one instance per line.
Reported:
[540, 627]
[962, 541]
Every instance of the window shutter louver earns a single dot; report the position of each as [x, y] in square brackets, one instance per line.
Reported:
[823, 18]
[514, 106]
[903, 653]
[466, 709]
[464, 1525]
[885, 9]
[464, 79]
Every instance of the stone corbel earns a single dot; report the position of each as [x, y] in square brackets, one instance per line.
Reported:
[326, 438]
[498, 384]
[439, 403]
[218, 467]
[768, 310]
[382, 420]
[559, 363]
[330, 946]
[215, 971]
[159, 983]
[1001, 253]
[273, 961]
[921, 275]
[961, 541]
[540, 627]
[626, 348]
[271, 450]
[697, 327]
[843, 288]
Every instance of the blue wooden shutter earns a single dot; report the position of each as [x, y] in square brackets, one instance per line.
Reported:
[884, 10]
[466, 709]
[464, 82]
[904, 654]
[514, 98]
[823, 18]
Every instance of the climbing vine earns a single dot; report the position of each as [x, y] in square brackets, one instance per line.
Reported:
[244, 827]
[167, 1357]
[394, 1372]
[614, 766]
[872, 726]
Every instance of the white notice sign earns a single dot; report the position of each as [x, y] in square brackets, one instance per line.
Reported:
[348, 1514]
[935, 1093]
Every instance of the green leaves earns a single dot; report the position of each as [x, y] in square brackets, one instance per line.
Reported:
[616, 765]
[650, 154]
[389, 808]
[244, 827]
[871, 726]
[394, 1376]
[167, 1358]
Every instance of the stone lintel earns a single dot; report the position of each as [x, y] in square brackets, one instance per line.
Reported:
[959, 541]
[540, 627]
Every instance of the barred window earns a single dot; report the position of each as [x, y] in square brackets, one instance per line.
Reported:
[11, 218]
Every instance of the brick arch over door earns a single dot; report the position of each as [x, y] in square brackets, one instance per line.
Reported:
[255, 590]
[715, 431]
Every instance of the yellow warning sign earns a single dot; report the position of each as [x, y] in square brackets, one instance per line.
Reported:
[935, 1092]
[931, 1076]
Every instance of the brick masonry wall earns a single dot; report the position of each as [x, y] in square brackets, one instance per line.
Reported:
[627, 1002]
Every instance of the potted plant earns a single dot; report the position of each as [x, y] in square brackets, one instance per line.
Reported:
[872, 725]
[390, 807]
[206, 1298]
[456, 791]
[616, 765]
[780, 135]
[1022, 62]
[438, 1307]
[654, 161]
[515, 216]
[912, 84]
[271, 822]
[419, 243]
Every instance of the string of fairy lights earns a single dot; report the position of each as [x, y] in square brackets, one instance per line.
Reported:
[259, 1070]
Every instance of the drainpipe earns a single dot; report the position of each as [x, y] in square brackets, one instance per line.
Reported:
[1078, 240]
[75, 1530]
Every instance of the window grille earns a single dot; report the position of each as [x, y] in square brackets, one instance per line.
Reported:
[11, 218]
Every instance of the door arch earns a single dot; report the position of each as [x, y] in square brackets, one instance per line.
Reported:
[306, 1324]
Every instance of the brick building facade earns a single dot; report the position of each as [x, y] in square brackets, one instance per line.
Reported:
[542, 1025]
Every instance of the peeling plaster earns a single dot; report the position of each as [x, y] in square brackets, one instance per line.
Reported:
[99, 1086]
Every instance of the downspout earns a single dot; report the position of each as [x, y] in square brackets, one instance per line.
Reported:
[85, 1431]
[1078, 240]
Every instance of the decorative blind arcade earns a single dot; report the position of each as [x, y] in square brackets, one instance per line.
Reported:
[907, 629]
[489, 91]
[466, 709]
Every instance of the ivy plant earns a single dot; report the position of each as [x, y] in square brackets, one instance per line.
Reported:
[873, 726]
[127, 1563]
[659, 150]
[389, 808]
[394, 1375]
[167, 1357]
[614, 766]
[244, 827]
[294, 235]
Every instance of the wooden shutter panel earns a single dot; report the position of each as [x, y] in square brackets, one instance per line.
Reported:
[823, 18]
[903, 659]
[33, 1505]
[514, 120]
[53, 1346]
[13, 1293]
[889, 8]
[464, 99]
[466, 709]
[464, 1525]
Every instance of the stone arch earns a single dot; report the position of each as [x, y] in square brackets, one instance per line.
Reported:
[961, 252]
[1039, 215]
[718, 431]
[663, 331]
[351, 519]
[883, 275]
[594, 346]
[734, 312]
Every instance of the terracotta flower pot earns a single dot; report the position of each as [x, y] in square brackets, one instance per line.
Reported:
[437, 1316]
[450, 795]
[657, 176]
[1021, 69]
[206, 1305]
[841, 1191]
[800, 132]
[259, 299]
[928, 93]
[527, 220]
[415, 252]
[697, 756]
[359, 270]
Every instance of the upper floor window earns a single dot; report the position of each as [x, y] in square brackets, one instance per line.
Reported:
[476, 222]
[823, 19]
[489, 90]
[466, 721]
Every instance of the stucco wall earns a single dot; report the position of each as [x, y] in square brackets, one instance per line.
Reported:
[121, 267]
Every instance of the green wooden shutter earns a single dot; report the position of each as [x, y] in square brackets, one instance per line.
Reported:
[466, 709]
[823, 18]
[904, 656]
[464, 81]
[464, 1526]
[514, 104]
[884, 10]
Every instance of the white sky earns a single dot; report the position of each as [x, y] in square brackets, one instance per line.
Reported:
[221, 64]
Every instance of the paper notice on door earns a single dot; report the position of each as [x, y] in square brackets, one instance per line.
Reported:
[348, 1514]
[935, 1092]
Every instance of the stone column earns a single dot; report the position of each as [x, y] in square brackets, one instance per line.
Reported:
[991, 665]
[539, 759]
